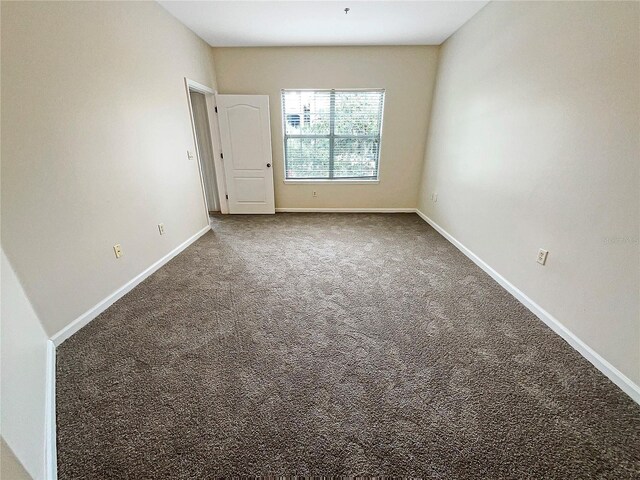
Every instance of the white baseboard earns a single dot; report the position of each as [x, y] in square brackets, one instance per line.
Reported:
[615, 375]
[345, 210]
[93, 312]
[50, 457]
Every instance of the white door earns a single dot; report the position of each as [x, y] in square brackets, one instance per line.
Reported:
[245, 135]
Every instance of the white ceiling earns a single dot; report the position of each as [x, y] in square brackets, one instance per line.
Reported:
[301, 23]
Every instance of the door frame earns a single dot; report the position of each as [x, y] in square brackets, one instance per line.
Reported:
[210, 97]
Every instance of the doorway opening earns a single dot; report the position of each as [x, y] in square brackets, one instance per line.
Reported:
[202, 107]
[205, 150]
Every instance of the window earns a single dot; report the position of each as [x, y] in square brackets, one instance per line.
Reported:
[332, 134]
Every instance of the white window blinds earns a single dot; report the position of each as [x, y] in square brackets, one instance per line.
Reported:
[332, 134]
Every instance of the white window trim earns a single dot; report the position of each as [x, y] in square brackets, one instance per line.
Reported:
[351, 181]
[346, 181]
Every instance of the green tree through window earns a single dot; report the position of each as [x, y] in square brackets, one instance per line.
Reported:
[332, 134]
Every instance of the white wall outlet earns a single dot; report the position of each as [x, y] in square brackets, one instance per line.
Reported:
[117, 249]
[542, 256]
[314, 193]
[161, 228]
[190, 155]
[434, 197]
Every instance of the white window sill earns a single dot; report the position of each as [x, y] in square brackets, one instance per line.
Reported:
[332, 182]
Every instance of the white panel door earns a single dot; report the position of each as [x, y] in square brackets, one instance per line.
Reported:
[245, 134]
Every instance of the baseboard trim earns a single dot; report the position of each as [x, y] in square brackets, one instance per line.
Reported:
[615, 375]
[345, 210]
[50, 449]
[93, 312]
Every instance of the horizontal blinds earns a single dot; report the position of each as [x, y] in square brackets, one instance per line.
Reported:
[332, 134]
[307, 113]
[307, 157]
[358, 113]
[355, 157]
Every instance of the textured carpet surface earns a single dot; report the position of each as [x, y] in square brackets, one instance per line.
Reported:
[332, 344]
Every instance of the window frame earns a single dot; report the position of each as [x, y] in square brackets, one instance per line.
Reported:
[332, 137]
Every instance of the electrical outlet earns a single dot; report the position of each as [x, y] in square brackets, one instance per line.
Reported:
[117, 249]
[161, 228]
[542, 256]
[190, 155]
[314, 194]
[434, 197]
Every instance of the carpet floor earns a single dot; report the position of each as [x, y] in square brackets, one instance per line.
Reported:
[334, 345]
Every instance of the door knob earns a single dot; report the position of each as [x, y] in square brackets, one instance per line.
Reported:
[268, 165]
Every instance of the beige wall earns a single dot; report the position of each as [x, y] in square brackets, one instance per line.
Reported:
[407, 74]
[10, 466]
[534, 143]
[95, 128]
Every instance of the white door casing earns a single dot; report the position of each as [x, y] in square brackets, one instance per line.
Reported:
[245, 134]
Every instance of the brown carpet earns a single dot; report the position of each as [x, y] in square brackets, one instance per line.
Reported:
[332, 344]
